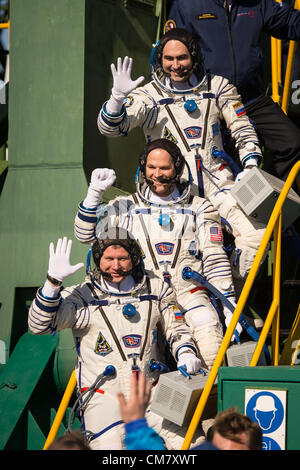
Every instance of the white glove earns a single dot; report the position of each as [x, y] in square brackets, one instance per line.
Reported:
[242, 174]
[122, 84]
[101, 180]
[251, 152]
[192, 363]
[228, 316]
[59, 260]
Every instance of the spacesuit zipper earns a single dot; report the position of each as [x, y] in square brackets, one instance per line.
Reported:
[177, 128]
[228, 12]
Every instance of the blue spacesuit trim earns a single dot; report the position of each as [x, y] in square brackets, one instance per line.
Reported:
[98, 434]
[86, 218]
[109, 122]
[44, 308]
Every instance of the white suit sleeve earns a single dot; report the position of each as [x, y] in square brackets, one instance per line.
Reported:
[216, 265]
[48, 315]
[234, 113]
[139, 110]
[178, 333]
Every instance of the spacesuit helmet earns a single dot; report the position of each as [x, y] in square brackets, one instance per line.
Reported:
[121, 237]
[184, 36]
[168, 146]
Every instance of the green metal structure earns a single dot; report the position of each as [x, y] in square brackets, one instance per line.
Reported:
[60, 56]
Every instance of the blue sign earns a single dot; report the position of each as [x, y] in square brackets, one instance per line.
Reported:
[270, 444]
[266, 409]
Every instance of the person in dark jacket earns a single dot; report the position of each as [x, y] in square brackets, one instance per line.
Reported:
[229, 33]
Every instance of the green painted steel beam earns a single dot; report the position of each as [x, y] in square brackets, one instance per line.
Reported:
[60, 56]
[20, 377]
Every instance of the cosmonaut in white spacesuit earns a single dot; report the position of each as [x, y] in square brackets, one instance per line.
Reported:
[174, 229]
[114, 316]
[186, 105]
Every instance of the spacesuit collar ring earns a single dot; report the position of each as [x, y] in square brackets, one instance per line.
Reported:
[130, 293]
[173, 91]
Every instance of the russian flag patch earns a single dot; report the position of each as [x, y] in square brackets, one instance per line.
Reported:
[239, 109]
[177, 313]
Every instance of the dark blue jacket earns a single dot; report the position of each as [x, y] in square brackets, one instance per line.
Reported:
[230, 38]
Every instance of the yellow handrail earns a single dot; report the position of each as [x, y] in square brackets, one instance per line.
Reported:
[286, 356]
[61, 411]
[289, 68]
[276, 214]
[276, 289]
[276, 67]
[288, 76]
[5, 25]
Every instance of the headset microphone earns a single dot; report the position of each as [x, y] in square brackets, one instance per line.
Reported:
[161, 180]
[120, 273]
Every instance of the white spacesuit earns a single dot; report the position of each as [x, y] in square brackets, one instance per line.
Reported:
[189, 113]
[182, 231]
[115, 330]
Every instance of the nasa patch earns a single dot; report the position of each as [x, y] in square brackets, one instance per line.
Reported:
[132, 341]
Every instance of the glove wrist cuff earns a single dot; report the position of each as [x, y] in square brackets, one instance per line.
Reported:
[93, 197]
[55, 282]
[185, 350]
[118, 96]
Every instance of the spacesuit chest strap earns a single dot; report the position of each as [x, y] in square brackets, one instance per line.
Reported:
[180, 238]
[148, 320]
[108, 324]
[154, 260]
[112, 332]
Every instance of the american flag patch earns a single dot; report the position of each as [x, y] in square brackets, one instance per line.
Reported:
[215, 234]
[239, 109]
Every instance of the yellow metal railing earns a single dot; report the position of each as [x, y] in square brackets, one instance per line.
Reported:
[5, 25]
[289, 355]
[276, 68]
[273, 314]
[61, 411]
